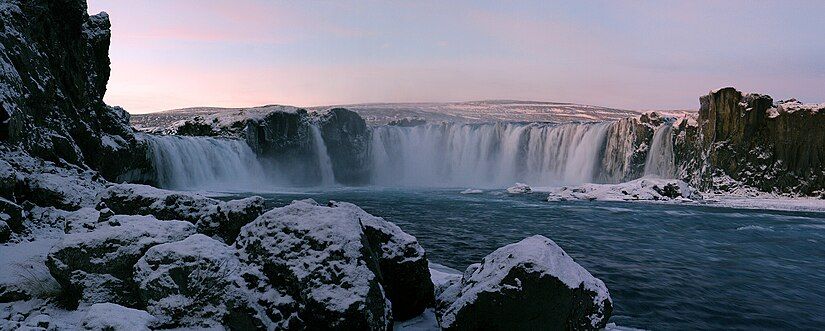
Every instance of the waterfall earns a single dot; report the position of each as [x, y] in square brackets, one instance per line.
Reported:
[660, 162]
[201, 163]
[488, 154]
[324, 162]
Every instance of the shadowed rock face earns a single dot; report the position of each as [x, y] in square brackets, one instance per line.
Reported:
[772, 147]
[55, 68]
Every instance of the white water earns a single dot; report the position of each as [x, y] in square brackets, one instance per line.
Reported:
[324, 162]
[442, 155]
[660, 162]
[487, 155]
[202, 163]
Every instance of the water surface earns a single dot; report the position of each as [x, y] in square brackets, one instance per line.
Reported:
[666, 266]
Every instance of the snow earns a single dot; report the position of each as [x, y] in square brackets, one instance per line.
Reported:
[109, 316]
[519, 188]
[472, 191]
[24, 269]
[639, 189]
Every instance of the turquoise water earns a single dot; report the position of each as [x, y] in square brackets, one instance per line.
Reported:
[666, 266]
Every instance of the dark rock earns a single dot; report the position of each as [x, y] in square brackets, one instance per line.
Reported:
[532, 284]
[11, 214]
[5, 232]
[347, 139]
[750, 140]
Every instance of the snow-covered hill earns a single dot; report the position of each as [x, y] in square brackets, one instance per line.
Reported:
[384, 113]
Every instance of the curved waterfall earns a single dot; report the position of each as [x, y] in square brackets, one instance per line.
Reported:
[487, 155]
[435, 155]
[202, 163]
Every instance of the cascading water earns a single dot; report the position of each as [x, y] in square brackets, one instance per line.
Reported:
[660, 162]
[487, 155]
[324, 162]
[201, 163]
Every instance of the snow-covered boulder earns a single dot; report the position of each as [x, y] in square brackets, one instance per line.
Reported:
[188, 282]
[519, 188]
[97, 266]
[532, 284]
[340, 264]
[109, 316]
[640, 189]
[212, 217]
[402, 263]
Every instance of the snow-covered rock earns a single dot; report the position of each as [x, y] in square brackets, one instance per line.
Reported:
[97, 266]
[341, 265]
[11, 214]
[639, 189]
[519, 188]
[212, 217]
[471, 191]
[187, 282]
[109, 316]
[532, 284]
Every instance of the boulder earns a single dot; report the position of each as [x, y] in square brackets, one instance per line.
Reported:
[97, 266]
[188, 282]
[109, 316]
[341, 265]
[212, 217]
[532, 284]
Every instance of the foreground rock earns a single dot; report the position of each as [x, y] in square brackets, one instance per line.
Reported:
[97, 266]
[344, 268]
[212, 217]
[187, 282]
[532, 284]
[109, 316]
[650, 189]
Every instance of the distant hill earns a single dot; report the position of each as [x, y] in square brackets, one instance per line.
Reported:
[383, 113]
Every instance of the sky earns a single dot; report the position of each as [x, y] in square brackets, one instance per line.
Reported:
[626, 54]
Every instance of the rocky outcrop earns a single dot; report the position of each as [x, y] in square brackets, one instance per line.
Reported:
[212, 217]
[532, 284]
[643, 189]
[97, 266]
[751, 140]
[55, 68]
[627, 146]
[341, 266]
[347, 140]
[187, 283]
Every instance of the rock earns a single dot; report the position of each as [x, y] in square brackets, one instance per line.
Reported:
[109, 316]
[97, 266]
[12, 214]
[55, 109]
[5, 231]
[532, 284]
[187, 282]
[212, 217]
[759, 143]
[403, 265]
[648, 189]
[519, 188]
[347, 139]
[331, 261]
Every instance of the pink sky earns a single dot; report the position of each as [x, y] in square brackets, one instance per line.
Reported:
[636, 55]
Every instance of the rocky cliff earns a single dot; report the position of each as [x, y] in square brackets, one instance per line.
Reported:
[748, 139]
[55, 66]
